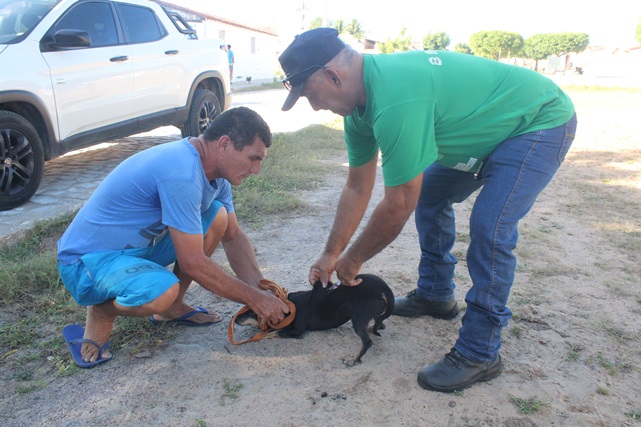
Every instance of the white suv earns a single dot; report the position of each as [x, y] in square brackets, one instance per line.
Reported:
[78, 72]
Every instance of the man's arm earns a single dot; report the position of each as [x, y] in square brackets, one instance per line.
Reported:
[195, 264]
[384, 226]
[240, 252]
[351, 208]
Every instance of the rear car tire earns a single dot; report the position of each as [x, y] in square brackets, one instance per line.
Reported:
[21, 160]
[205, 107]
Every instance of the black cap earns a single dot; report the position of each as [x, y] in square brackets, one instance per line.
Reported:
[308, 52]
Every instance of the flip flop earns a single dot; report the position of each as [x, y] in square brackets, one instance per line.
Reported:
[184, 319]
[73, 335]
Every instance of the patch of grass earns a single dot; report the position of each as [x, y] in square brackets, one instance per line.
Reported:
[635, 415]
[200, 423]
[231, 389]
[17, 335]
[597, 88]
[573, 355]
[463, 237]
[139, 334]
[602, 391]
[240, 88]
[517, 331]
[29, 266]
[611, 367]
[529, 405]
[296, 161]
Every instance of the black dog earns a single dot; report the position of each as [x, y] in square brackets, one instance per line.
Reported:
[325, 308]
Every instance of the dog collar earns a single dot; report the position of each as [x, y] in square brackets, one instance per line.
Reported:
[334, 286]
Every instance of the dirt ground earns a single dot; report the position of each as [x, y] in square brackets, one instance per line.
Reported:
[573, 346]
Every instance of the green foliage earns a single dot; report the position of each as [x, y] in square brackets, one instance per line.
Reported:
[638, 36]
[339, 24]
[355, 29]
[231, 390]
[436, 41]
[635, 415]
[463, 48]
[496, 44]
[29, 268]
[529, 405]
[293, 162]
[537, 47]
[564, 43]
[316, 23]
[401, 43]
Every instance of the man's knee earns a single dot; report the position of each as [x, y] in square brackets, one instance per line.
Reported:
[165, 300]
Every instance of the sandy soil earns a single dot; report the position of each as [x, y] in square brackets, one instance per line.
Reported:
[573, 345]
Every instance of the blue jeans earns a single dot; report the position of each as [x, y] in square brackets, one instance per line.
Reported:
[511, 180]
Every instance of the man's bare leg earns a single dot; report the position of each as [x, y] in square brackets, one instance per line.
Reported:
[179, 308]
[101, 317]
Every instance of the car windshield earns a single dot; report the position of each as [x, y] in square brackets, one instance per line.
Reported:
[19, 17]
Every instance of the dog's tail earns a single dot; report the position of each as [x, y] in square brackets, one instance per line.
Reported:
[388, 296]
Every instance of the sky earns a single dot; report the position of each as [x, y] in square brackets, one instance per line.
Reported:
[608, 23]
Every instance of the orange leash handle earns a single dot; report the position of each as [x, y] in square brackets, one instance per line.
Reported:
[266, 327]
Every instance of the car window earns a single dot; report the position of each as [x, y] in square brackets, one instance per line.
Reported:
[140, 24]
[96, 18]
[18, 18]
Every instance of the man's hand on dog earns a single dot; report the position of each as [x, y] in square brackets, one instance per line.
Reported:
[270, 308]
[346, 271]
[325, 266]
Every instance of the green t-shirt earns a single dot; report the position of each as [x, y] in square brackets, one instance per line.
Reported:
[452, 108]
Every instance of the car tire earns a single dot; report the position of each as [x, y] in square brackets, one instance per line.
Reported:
[21, 160]
[205, 107]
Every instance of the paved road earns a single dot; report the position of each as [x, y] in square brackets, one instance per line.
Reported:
[69, 180]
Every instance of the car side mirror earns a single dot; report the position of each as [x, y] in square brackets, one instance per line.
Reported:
[67, 39]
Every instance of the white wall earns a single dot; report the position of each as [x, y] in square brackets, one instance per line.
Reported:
[256, 53]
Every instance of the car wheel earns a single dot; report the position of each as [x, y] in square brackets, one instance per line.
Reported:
[205, 107]
[21, 160]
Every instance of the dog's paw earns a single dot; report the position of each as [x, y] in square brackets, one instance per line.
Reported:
[349, 362]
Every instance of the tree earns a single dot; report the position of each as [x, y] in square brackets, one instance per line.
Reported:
[496, 44]
[400, 44]
[463, 48]
[355, 29]
[436, 41]
[316, 23]
[566, 43]
[537, 47]
[639, 31]
[339, 24]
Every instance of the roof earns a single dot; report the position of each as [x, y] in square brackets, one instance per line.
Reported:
[194, 15]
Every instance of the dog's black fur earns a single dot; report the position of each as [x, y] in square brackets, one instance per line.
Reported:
[321, 308]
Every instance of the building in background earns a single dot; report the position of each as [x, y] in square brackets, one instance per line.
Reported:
[255, 49]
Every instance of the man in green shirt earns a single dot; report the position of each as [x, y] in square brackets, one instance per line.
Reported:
[446, 125]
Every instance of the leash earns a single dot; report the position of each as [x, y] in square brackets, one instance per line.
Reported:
[266, 327]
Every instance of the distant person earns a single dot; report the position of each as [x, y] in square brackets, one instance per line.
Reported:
[230, 57]
[446, 124]
[169, 203]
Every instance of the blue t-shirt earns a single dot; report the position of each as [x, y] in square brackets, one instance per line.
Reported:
[159, 187]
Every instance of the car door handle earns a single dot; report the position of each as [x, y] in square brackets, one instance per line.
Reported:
[171, 52]
[119, 58]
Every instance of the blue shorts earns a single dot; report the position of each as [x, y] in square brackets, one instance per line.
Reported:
[132, 277]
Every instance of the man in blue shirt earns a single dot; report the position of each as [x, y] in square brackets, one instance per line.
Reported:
[169, 203]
